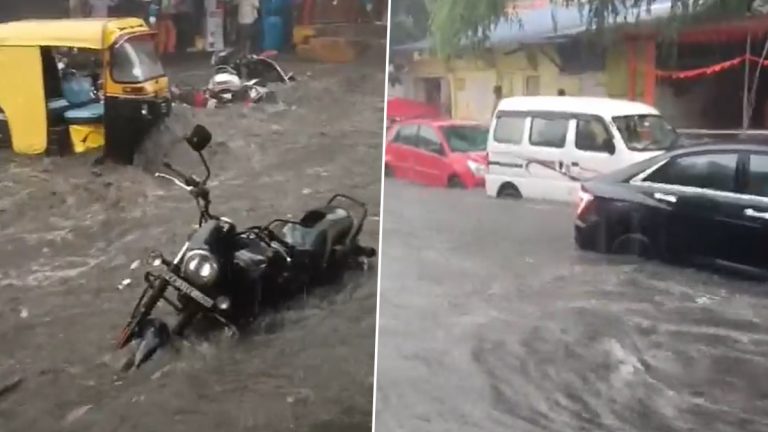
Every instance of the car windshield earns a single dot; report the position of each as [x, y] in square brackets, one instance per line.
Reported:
[646, 132]
[135, 61]
[467, 138]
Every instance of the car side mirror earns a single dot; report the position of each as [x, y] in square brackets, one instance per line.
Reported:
[609, 146]
[199, 138]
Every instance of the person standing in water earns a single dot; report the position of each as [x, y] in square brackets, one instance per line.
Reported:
[247, 13]
[166, 30]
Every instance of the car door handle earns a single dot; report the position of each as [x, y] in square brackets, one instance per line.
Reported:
[754, 213]
[665, 197]
[575, 164]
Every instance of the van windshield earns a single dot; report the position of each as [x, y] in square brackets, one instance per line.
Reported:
[135, 61]
[466, 138]
[646, 132]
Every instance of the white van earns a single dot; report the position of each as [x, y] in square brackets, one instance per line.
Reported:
[542, 147]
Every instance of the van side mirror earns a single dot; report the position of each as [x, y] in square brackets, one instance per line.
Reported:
[199, 138]
[609, 146]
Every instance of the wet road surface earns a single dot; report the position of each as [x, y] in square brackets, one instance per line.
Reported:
[68, 237]
[491, 320]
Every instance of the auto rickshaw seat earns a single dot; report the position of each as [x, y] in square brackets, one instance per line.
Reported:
[58, 106]
[78, 91]
[89, 114]
[83, 107]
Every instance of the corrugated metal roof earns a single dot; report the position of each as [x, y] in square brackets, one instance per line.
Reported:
[552, 23]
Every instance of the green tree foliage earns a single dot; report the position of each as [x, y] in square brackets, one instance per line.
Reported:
[457, 24]
[409, 21]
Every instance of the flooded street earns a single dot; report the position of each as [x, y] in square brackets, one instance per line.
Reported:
[492, 320]
[69, 235]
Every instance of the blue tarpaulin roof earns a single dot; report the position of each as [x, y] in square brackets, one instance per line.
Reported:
[552, 23]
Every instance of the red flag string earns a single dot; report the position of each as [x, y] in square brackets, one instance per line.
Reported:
[707, 71]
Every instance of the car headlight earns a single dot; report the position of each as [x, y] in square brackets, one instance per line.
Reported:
[477, 169]
[200, 268]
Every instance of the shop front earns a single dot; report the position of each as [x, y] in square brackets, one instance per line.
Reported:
[182, 25]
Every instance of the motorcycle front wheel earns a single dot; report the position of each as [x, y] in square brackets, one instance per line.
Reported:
[142, 310]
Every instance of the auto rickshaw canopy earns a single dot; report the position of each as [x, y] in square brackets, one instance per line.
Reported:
[92, 33]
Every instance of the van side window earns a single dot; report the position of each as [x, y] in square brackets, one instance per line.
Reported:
[509, 128]
[549, 132]
[407, 135]
[592, 135]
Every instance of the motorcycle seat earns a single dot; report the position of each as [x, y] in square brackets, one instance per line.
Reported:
[89, 114]
[326, 227]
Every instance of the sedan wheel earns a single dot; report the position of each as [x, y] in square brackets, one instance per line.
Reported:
[634, 245]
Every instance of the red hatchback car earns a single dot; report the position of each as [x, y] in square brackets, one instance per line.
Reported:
[438, 153]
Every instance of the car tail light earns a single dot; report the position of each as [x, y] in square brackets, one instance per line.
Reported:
[585, 198]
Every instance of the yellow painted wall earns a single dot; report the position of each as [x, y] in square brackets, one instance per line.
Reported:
[480, 73]
[511, 71]
[617, 73]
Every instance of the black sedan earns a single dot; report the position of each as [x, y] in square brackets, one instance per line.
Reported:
[705, 204]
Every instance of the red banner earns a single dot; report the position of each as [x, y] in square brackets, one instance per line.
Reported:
[706, 71]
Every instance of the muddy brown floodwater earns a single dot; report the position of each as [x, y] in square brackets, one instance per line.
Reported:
[68, 237]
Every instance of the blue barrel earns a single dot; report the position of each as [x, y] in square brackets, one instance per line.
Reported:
[275, 7]
[269, 8]
[274, 36]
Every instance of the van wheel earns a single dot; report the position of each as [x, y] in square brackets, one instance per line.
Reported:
[388, 171]
[509, 191]
[455, 182]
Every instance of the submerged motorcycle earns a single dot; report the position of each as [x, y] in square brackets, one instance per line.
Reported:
[251, 67]
[229, 274]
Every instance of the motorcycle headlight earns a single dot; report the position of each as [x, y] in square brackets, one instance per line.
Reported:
[477, 169]
[200, 268]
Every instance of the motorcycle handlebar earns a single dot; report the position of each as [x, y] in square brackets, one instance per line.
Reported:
[194, 187]
[188, 180]
[175, 180]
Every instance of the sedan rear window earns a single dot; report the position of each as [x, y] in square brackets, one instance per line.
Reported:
[716, 171]
[758, 175]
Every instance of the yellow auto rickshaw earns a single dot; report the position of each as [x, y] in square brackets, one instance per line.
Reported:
[45, 110]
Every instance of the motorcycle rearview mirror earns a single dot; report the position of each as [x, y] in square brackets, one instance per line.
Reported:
[199, 138]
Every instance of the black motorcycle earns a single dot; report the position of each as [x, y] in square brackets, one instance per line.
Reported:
[229, 275]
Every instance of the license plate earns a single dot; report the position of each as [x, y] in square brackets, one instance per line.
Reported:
[188, 289]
